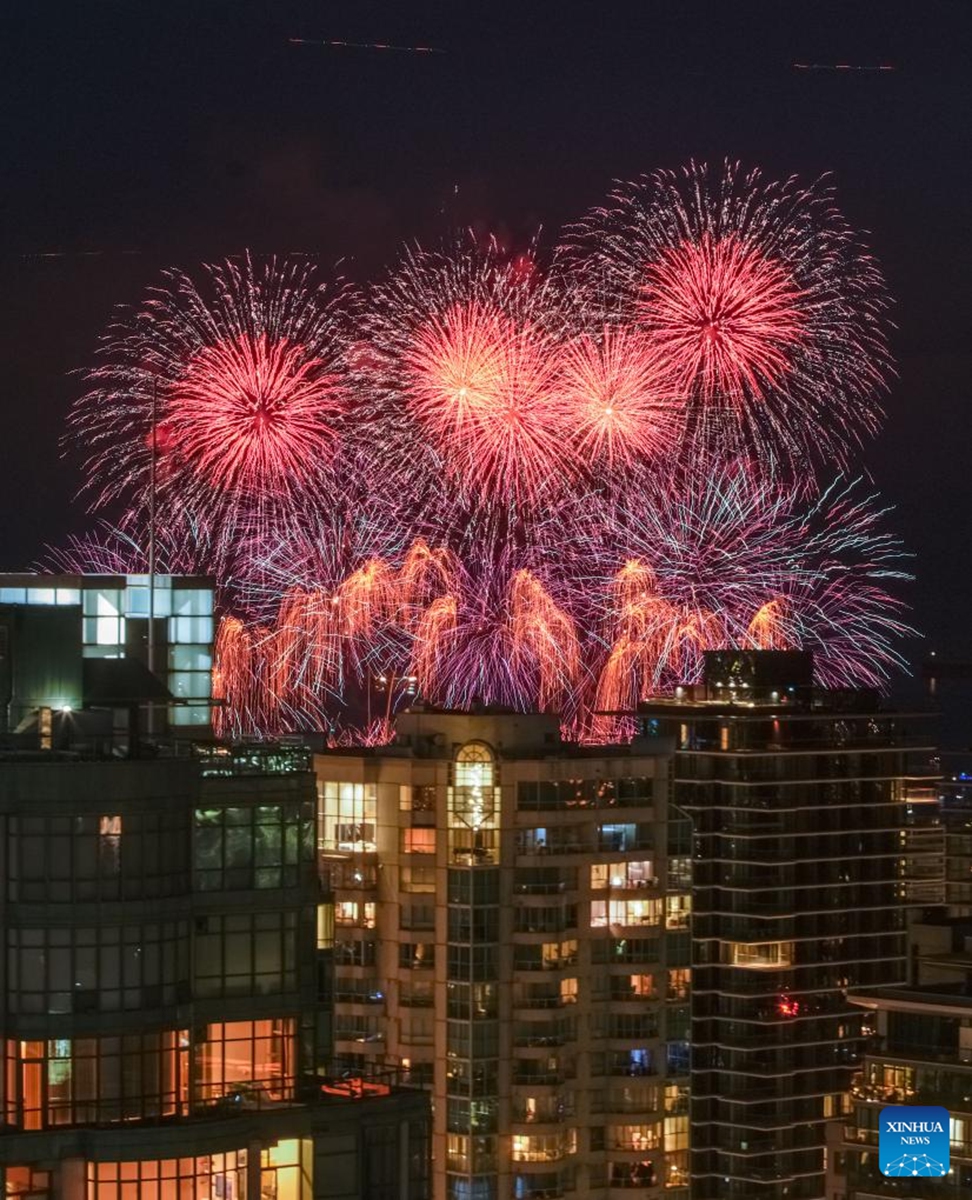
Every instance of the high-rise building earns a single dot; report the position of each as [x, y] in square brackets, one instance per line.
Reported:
[811, 834]
[165, 1032]
[919, 1053]
[512, 928]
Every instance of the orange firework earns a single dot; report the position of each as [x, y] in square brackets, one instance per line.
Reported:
[767, 630]
[424, 574]
[434, 639]
[240, 680]
[545, 636]
[366, 599]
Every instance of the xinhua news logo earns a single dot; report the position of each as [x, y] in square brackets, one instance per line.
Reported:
[913, 1141]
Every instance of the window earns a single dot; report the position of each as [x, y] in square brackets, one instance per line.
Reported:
[679, 982]
[626, 950]
[418, 879]
[418, 841]
[354, 912]
[543, 1147]
[417, 916]
[417, 798]
[622, 875]
[247, 954]
[24, 1183]
[761, 955]
[187, 1178]
[347, 813]
[257, 846]
[96, 856]
[416, 955]
[625, 912]
[67, 1081]
[251, 1057]
[88, 969]
[474, 796]
[677, 909]
[634, 1137]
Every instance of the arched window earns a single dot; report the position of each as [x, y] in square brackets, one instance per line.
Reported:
[474, 786]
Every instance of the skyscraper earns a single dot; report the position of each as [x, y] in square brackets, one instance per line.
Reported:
[808, 844]
[512, 928]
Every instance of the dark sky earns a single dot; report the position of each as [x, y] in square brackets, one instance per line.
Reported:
[188, 131]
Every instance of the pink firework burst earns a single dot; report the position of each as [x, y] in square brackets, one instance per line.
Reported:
[619, 402]
[467, 339]
[764, 306]
[233, 383]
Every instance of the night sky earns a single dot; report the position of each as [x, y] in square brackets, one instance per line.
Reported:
[163, 134]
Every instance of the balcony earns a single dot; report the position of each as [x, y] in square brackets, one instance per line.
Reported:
[522, 1077]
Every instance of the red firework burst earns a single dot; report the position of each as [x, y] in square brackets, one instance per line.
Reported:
[254, 415]
[619, 404]
[723, 318]
[234, 385]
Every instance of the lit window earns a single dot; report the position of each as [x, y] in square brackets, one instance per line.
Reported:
[761, 955]
[418, 841]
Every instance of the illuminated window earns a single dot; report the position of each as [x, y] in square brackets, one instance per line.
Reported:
[24, 1183]
[761, 955]
[679, 982]
[568, 991]
[473, 797]
[625, 912]
[67, 1081]
[622, 875]
[347, 815]
[634, 1137]
[213, 1175]
[353, 912]
[418, 841]
[252, 1058]
[677, 909]
[676, 1133]
[325, 926]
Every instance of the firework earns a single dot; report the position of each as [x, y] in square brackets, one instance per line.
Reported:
[468, 339]
[620, 407]
[548, 492]
[234, 385]
[760, 303]
[718, 558]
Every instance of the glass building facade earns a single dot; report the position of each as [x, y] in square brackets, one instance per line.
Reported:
[166, 1028]
[113, 616]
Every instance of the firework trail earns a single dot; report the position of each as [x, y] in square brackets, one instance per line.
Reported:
[718, 557]
[762, 305]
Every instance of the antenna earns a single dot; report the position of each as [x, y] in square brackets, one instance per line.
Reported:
[153, 448]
